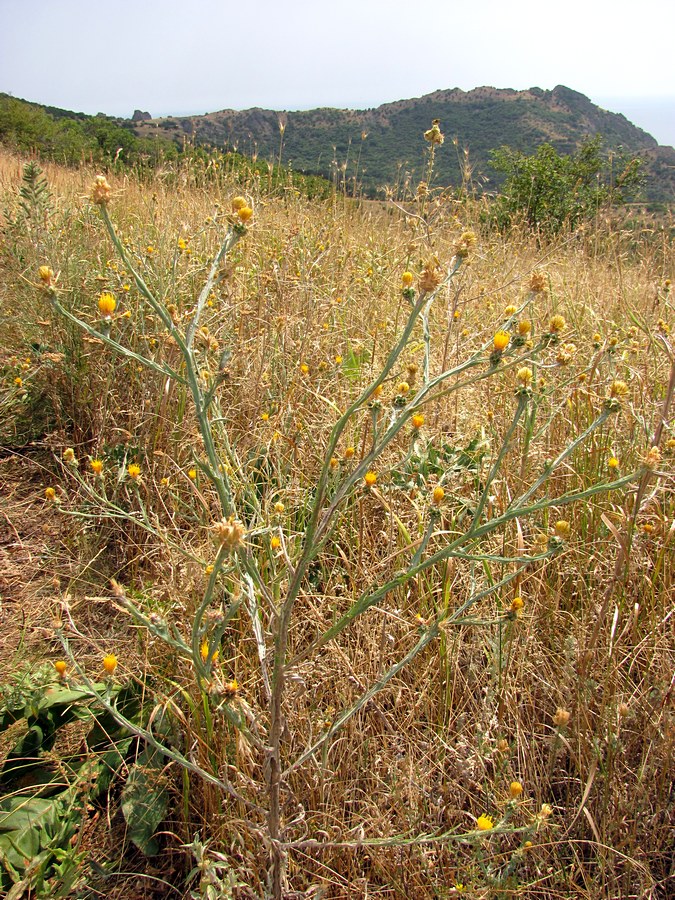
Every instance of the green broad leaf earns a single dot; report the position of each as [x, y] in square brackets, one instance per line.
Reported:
[145, 801]
[18, 813]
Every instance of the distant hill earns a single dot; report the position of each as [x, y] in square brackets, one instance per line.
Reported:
[387, 141]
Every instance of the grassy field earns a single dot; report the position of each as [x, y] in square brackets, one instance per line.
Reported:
[357, 545]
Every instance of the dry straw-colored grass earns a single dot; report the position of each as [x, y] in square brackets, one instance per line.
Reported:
[476, 710]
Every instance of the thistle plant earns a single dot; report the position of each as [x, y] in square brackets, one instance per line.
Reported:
[243, 582]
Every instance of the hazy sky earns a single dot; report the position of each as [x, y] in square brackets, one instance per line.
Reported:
[197, 56]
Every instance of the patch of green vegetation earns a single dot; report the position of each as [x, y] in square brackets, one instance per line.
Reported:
[551, 191]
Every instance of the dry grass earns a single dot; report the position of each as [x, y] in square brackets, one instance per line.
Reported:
[440, 744]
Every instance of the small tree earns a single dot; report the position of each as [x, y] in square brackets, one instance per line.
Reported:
[552, 191]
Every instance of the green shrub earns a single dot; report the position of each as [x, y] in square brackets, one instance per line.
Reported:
[551, 191]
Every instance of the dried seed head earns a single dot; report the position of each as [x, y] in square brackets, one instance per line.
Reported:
[467, 241]
[433, 135]
[561, 717]
[229, 533]
[537, 282]
[653, 458]
[430, 277]
[101, 190]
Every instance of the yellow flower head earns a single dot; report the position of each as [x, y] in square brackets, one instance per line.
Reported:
[61, 667]
[238, 203]
[245, 213]
[418, 420]
[403, 387]
[110, 663]
[517, 605]
[438, 495]
[524, 376]
[134, 471]
[484, 823]
[370, 478]
[524, 327]
[501, 341]
[204, 652]
[349, 452]
[613, 462]
[50, 494]
[96, 466]
[106, 304]
[46, 275]
[407, 279]
[509, 311]
[557, 324]
[275, 542]
[563, 528]
[515, 789]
